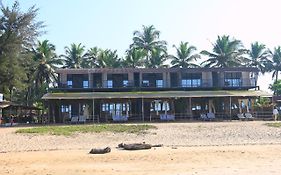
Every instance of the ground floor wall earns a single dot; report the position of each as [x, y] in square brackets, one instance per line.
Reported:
[150, 109]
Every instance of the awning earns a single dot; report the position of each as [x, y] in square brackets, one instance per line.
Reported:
[4, 104]
[152, 94]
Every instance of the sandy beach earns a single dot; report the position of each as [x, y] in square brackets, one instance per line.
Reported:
[189, 148]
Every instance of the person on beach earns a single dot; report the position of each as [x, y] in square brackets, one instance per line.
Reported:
[275, 113]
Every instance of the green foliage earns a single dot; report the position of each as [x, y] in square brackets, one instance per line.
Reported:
[258, 56]
[157, 59]
[276, 87]
[134, 58]
[275, 64]
[148, 40]
[108, 58]
[91, 57]
[226, 53]
[74, 56]
[184, 57]
[262, 102]
[46, 62]
[18, 33]
[70, 130]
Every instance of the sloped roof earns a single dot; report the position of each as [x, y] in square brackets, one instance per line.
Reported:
[153, 94]
[4, 104]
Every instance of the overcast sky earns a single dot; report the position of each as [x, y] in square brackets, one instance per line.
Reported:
[110, 23]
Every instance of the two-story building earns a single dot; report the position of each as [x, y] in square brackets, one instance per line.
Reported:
[147, 94]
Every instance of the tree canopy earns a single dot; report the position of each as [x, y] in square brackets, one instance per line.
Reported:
[27, 65]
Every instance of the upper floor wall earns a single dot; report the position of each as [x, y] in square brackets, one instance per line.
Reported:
[147, 78]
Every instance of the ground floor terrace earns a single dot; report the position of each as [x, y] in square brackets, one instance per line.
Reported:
[153, 106]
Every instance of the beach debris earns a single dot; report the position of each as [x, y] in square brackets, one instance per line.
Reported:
[137, 146]
[100, 150]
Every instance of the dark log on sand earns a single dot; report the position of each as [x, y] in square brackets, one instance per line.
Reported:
[137, 146]
[100, 151]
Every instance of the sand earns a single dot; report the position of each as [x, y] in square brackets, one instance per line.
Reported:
[246, 151]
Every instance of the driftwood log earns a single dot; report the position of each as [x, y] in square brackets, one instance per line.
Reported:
[100, 151]
[137, 146]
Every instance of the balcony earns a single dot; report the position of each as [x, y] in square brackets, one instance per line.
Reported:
[184, 84]
[239, 83]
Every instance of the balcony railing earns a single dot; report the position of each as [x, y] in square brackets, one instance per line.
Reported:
[196, 83]
[248, 82]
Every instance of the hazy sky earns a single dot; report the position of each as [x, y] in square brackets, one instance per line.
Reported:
[110, 23]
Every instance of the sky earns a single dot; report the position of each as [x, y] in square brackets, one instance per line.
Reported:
[111, 23]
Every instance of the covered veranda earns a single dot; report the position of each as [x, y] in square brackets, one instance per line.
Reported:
[149, 105]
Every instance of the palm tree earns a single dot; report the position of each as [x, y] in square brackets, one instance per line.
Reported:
[158, 58]
[108, 58]
[134, 58]
[74, 56]
[258, 56]
[148, 40]
[226, 53]
[45, 62]
[275, 64]
[91, 57]
[184, 57]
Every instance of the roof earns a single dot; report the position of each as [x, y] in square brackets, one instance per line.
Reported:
[158, 70]
[153, 94]
[4, 104]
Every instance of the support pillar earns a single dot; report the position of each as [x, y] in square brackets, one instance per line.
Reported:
[230, 107]
[49, 112]
[140, 79]
[190, 110]
[93, 110]
[142, 109]
[53, 113]
[104, 79]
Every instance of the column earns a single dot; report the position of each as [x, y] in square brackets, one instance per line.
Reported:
[90, 79]
[168, 79]
[142, 109]
[131, 78]
[63, 79]
[140, 79]
[230, 107]
[164, 77]
[179, 76]
[190, 106]
[49, 111]
[93, 110]
[104, 79]
[53, 113]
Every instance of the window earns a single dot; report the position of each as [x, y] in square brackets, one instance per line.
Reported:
[233, 79]
[157, 106]
[196, 82]
[85, 84]
[191, 80]
[125, 83]
[64, 108]
[69, 83]
[105, 107]
[109, 83]
[186, 83]
[145, 83]
[118, 109]
[159, 83]
[165, 106]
